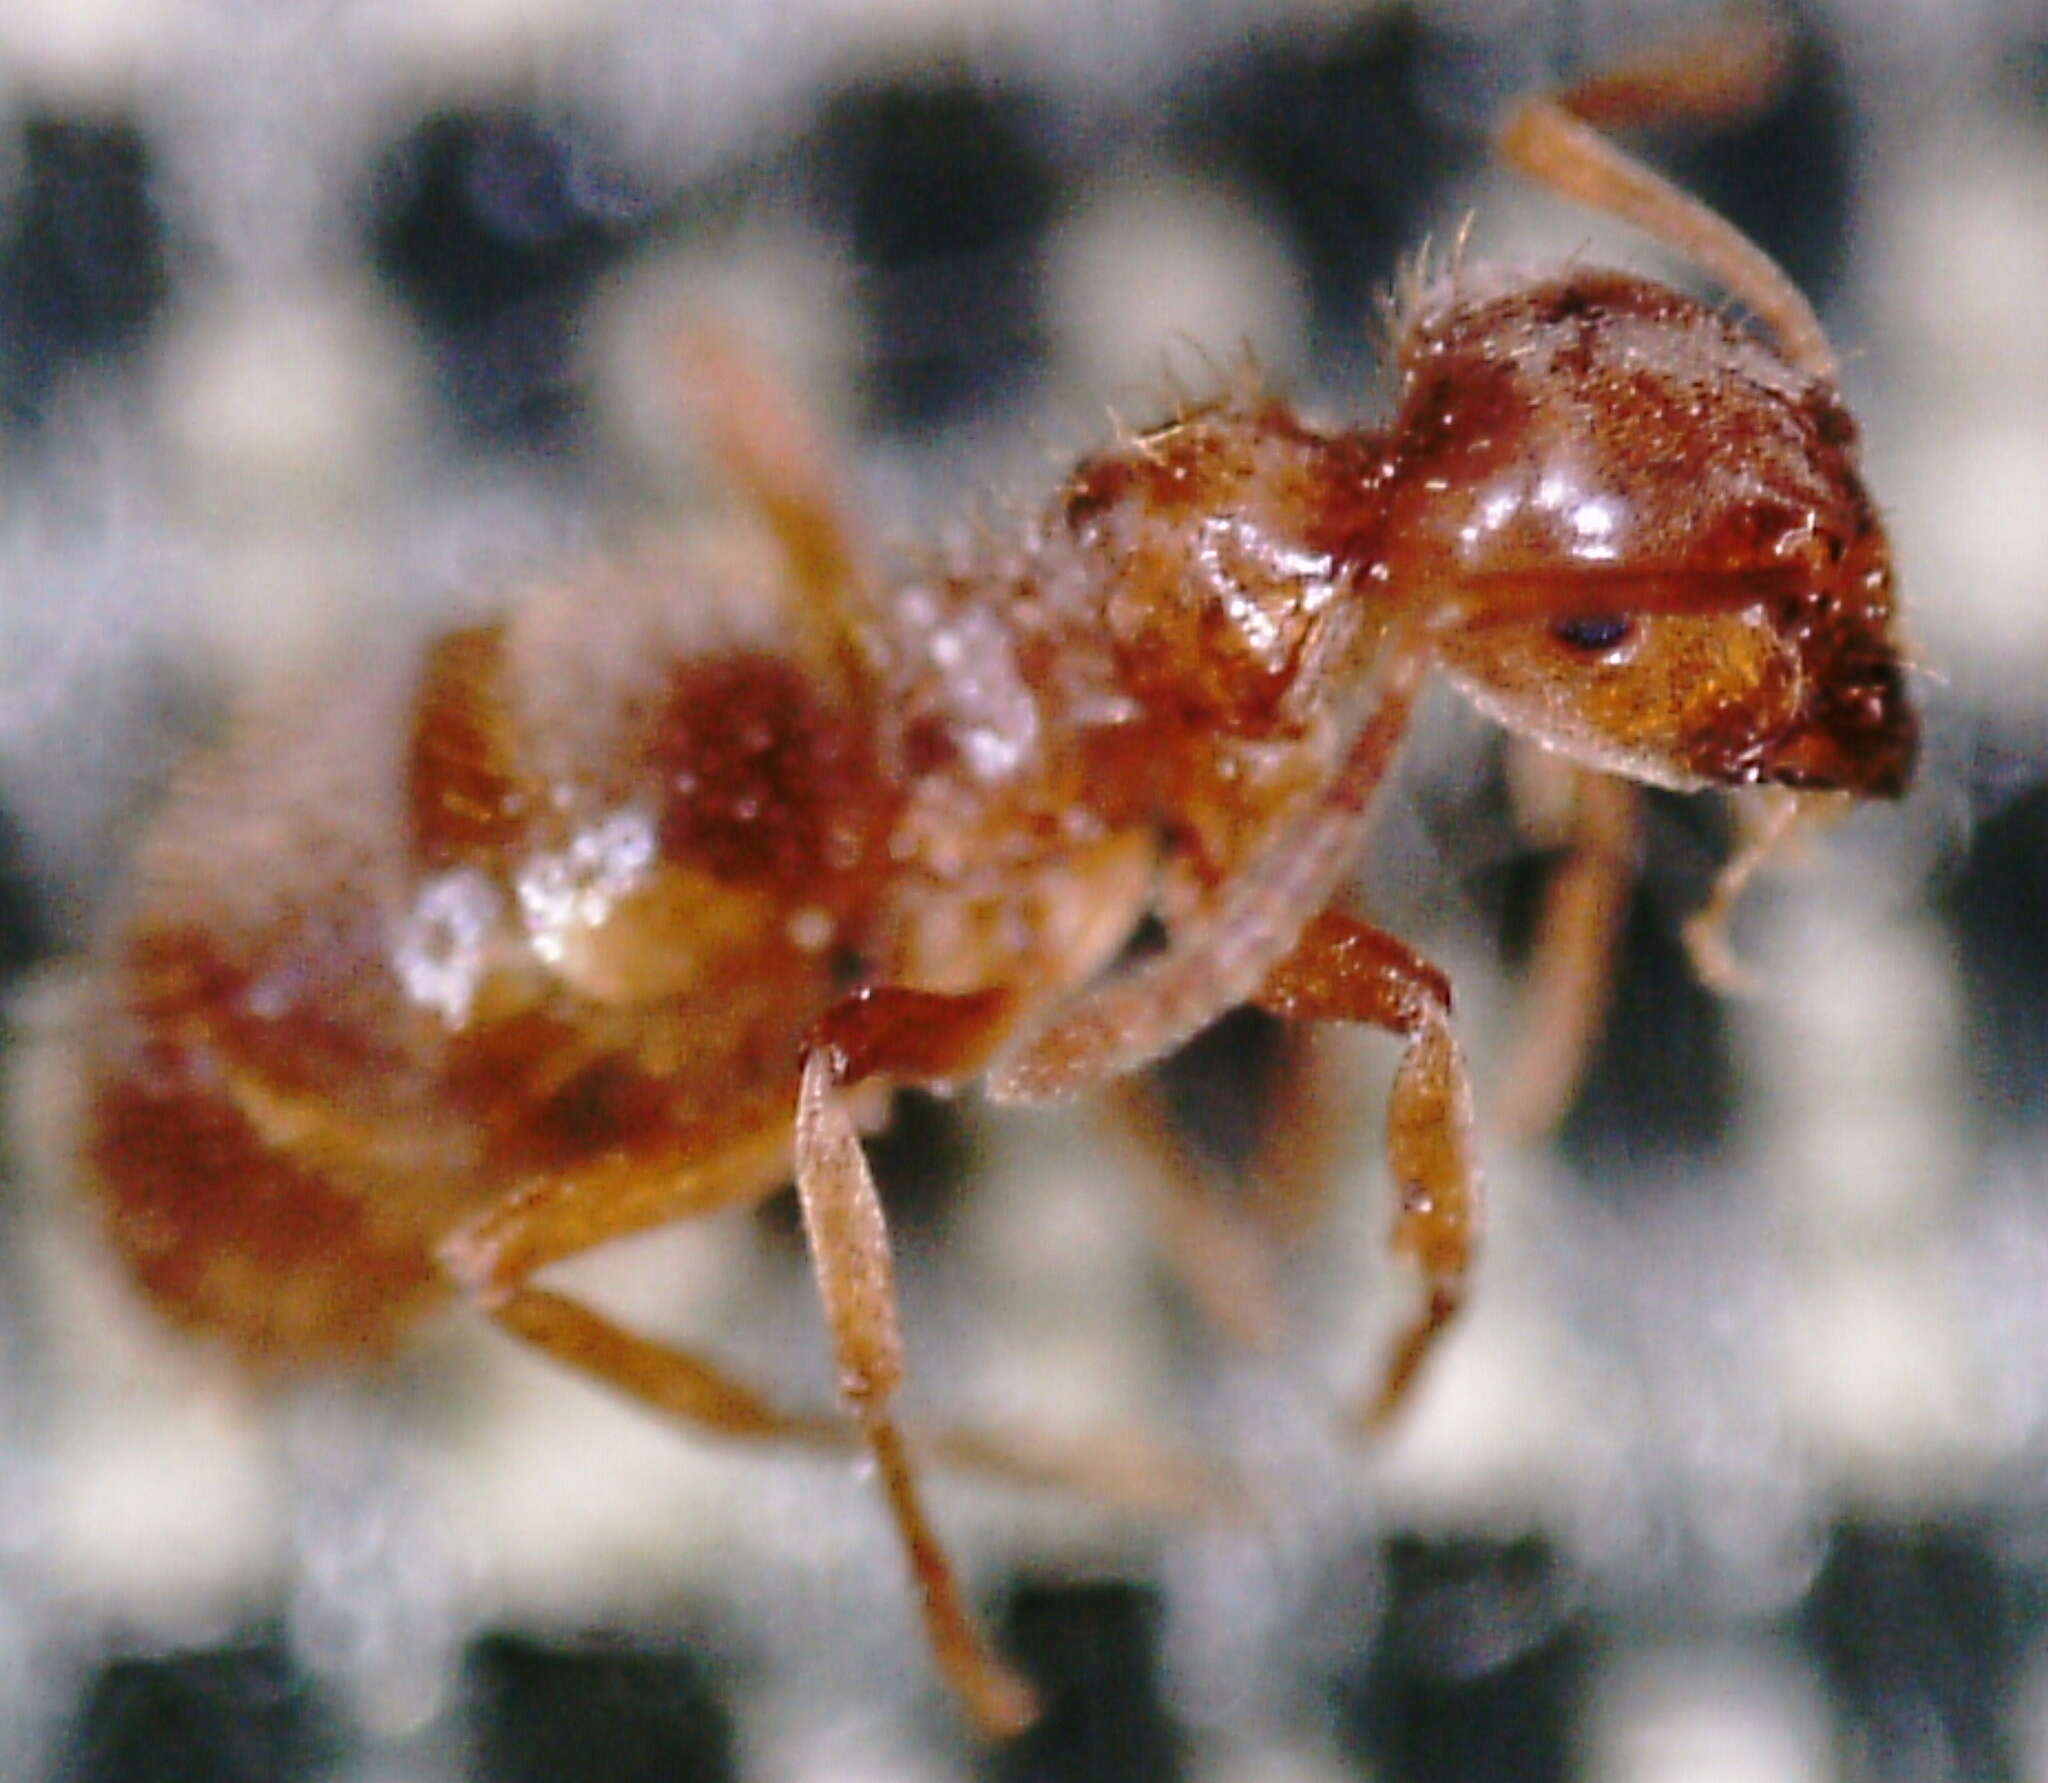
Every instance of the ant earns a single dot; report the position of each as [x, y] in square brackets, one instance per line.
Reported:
[628, 905]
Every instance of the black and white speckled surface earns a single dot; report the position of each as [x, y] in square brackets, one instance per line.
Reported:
[316, 320]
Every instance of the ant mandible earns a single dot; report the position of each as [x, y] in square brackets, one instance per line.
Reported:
[617, 909]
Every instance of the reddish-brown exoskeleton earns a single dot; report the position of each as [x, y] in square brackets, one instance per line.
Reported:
[630, 904]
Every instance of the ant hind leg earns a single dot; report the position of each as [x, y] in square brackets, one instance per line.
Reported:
[776, 458]
[1226, 1242]
[1218, 1249]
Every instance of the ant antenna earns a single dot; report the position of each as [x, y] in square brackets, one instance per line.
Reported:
[1550, 139]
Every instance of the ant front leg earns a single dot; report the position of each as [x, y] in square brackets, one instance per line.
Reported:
[1578, 936]
[1219, 960]
[1769, 825]
[1344, 969]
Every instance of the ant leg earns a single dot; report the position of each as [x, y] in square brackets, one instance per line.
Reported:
[1718, 74]
[773, 455]
[1771, 824]
[1219, 960]
[662, 1376]
[549, 1218]
[491, 1258]
[683, 1384]
[1343, 969]
[1222, 1258]
[1550, 139]
[883, 1031]
[1303, 1138]
[1226, 1248]
[1571, 975]
[850, 1255]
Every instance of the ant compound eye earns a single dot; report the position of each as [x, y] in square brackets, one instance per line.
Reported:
[1593, 636]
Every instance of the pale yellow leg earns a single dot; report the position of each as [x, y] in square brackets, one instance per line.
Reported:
[1344, 969]
[849, 1244]
[1578, 938]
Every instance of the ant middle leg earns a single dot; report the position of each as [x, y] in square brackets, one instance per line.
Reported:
[892, 1031]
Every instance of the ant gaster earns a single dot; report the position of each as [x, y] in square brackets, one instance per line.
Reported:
[625, 906]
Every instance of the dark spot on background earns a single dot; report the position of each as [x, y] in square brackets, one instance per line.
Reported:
[1786, 175]
[82, 255]
[1328, 126]
[945, 194]
[235, 1714]
[1218, 1086]
[1474, 1674]
[492, 226]
[1092, 1652]
[1996, 901]
[596, 1711]
[1916, 1632]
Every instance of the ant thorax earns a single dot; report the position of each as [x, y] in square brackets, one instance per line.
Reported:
[1117, 712]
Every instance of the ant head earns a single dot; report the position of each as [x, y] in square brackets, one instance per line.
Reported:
[1659, 530]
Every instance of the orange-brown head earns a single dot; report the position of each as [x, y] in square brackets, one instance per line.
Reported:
[1659, 532]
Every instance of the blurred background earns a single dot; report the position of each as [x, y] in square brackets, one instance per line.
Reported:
[320, 321]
